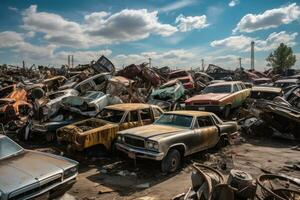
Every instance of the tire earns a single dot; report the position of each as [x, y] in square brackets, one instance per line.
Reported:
[171, 162]
[226, 112]
[221, 143]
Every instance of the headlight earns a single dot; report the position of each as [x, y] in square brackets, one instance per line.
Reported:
[120, 138]
[70, 172]
[152, 145]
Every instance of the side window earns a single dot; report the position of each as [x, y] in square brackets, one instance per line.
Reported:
[99, 80]
[204, 121]
[216, 119]
[156, 112]
[239, 86]
[243, 86]
[235, 88]
[145, 114]
[85, 87]
[134, 116]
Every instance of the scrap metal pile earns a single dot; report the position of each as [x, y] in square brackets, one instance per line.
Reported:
[210, 184]
[43, 99]
[95, 104]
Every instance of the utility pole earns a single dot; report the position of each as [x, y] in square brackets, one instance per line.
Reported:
[72, 61]
[202, 60]
[240, 62]
[69, 61]
[252, 55]
[150, 62]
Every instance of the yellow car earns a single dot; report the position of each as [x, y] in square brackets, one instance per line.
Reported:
[103, 128]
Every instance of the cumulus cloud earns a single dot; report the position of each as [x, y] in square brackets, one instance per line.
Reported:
[233, 42]
[10, 39]
[233, 3]
[172, 58]
[130, 25]
[191, 22]
[269, 19]
[242, 42]
[98, 28]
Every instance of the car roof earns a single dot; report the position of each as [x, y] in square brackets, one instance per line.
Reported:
[129, 106]
[225, 83]
[189, 113]
[266, 89]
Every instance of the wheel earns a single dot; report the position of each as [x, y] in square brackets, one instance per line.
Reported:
[221, 143]
[171, 162]
[227, 111]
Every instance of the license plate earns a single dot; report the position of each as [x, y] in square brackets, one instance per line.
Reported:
[42, 197]
[131, 155]
[201, 108]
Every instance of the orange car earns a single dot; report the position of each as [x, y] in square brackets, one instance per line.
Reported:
[219, 97]
[13, 103]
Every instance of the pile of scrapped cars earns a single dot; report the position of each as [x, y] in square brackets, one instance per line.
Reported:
[145, 112]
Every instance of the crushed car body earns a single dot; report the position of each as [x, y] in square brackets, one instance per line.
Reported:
[102, 129]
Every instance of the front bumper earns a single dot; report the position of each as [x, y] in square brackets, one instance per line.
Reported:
[140, 153]
[209, 108]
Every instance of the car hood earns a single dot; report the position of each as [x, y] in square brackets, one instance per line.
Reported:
[28, 168]
[151, 130]
[207, 97]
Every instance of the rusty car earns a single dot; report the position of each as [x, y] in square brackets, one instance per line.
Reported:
[168, 95]
[175, 135]
[103, 128]
[90, 103]
[262, 92]
[219, 98]
[13, 103]
[27, 174]
[184, 77]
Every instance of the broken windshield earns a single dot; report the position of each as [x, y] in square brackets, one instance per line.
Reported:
[111, 115]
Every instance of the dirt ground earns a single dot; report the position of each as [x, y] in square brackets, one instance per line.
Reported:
[106, 178]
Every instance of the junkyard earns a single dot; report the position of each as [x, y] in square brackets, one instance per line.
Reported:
[148, 131]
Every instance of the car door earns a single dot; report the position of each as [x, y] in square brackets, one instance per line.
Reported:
[146, 116]
[132, 120]
[207, 132]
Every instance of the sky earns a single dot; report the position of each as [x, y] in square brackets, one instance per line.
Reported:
[178, 34]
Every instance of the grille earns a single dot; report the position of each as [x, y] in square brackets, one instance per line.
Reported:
[37, 189]
[135, 142]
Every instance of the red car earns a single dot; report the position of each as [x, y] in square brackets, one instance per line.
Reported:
[184, 77]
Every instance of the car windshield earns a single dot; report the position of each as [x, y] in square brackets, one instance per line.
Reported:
[217, 89]
[8, 148]
[175, 120]
[111, 115]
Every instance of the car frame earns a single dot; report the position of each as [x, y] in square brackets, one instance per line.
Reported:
[27, 174]
[170, 143]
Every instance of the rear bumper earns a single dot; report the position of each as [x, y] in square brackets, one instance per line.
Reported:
[140, 153]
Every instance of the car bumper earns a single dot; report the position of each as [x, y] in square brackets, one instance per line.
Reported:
[53, 191]
[140, 153]
[209, 108]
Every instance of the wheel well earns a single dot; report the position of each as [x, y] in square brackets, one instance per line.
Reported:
[179, 148]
